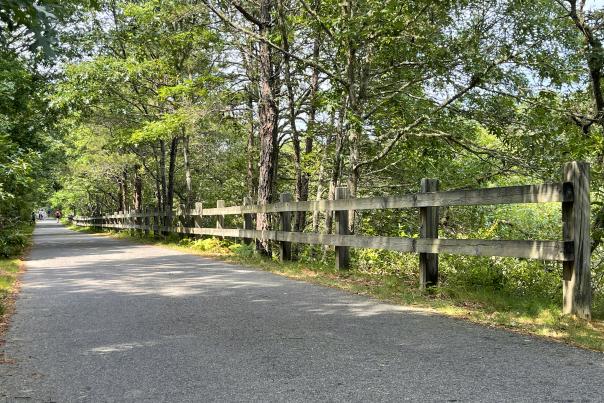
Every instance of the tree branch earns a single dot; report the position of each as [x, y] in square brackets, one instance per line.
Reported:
[260, 38]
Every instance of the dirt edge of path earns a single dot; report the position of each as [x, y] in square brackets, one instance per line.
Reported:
[9, 303]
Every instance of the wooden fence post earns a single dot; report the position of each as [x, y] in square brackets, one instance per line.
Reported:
[285, 224]
[428, 262]
[576, 228]
[198, 217]
[342, 252]
[247, 219]
[220, 218]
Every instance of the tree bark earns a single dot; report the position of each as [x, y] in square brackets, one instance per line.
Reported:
[138, 189]
[308, 146]
[250, 147]
[171, 171]
[268, 117]
[120, 194]
[187, 167]
[299, 219]
[336, 169]
[162, 169]
[321, 178]
[125, 204]
[355, 128]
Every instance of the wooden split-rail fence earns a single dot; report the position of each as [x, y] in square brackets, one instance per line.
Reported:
[573, 251]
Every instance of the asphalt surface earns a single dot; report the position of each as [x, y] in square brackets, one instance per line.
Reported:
[104, 320]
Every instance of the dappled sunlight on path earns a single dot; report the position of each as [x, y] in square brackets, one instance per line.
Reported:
[104, 319]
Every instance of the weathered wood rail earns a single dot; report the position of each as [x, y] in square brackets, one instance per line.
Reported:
[573, 250]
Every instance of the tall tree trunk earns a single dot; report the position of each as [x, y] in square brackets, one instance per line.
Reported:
[321, 176]
[321, 185]
[291, 103]
[166, 207]
[157, 178]
[171, 172]
[120, 194]
[250, 146]
[162, 169]
[268, 116]
[353, 102]
[158, 195]
[310, 134]
[187, 166]
[125, 189]
[336, 169]
[138, 189]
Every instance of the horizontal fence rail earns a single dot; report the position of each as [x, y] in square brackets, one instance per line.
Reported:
[572, 192]
[556, 192]
[542, 250]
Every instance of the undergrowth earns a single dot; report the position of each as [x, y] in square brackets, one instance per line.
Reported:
[13, 242]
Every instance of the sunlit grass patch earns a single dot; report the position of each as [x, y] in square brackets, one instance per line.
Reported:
[9, 270]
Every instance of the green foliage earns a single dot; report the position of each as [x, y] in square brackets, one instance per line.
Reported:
[130, 108]
[242, 250]
[12, 243]
[203, 245]
[217, 246]
[28, 152]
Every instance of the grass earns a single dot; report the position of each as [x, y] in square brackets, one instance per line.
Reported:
[528, 314]
[10, 267]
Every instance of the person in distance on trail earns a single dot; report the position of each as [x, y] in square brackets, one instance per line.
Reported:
[58, 215]
[33, 217]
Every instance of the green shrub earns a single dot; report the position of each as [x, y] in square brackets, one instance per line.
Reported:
[242, 249]
[205, 245]
[12, 243]
[186, 242]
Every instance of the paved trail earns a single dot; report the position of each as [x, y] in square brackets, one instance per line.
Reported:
[101, 320]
